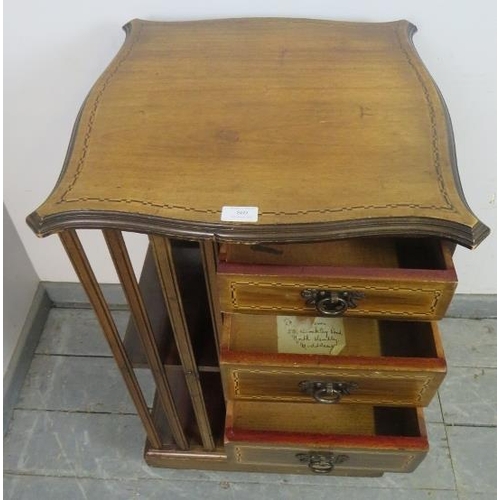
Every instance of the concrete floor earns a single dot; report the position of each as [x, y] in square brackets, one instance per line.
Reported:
[74, 432]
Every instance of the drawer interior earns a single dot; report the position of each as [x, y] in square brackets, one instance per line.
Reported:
[401, 253]
[307, 418]
[363, 337]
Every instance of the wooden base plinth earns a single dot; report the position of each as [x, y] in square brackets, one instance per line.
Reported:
[218, 461]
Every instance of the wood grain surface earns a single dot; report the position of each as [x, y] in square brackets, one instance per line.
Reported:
[330, 129]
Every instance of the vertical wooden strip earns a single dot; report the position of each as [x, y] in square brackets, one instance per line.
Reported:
[209, 258]
[166, 271]
[77, 256]
[121, 260]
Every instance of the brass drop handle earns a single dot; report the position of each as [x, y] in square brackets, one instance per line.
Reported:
[327, 392]
[321, 462]
[331, 306]
[330, 303]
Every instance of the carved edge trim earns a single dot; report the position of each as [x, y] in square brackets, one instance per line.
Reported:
[462, 234]
[479, 231]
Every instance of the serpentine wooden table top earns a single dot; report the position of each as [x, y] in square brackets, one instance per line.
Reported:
[328, 129]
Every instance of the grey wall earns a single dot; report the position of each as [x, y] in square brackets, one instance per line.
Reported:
[20, 284]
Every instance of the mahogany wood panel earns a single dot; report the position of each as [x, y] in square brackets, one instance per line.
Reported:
[330, 129]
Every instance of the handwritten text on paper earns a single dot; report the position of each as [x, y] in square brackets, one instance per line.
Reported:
[304, 335]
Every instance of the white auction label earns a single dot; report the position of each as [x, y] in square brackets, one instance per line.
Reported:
[240, 214]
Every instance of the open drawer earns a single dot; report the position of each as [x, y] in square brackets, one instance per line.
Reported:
[305, 438]
[410, 278]
[393, 363]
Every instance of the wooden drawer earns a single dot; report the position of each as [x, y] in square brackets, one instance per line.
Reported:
[377, 277]
[389, 362]
[308, 438]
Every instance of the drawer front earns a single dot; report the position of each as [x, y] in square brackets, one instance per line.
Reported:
[324, 461]
[365, 386]
[390, 363]
[310, 439]
[317, 439]
[423, 297]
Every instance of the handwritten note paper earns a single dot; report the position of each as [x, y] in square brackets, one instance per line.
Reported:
[304, 335]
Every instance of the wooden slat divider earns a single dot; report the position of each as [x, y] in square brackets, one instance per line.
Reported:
[208, 250]
[121, 260]
[79, 260]
[150, 289]
[166, 271]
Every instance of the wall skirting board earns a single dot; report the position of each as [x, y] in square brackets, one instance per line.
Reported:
[71, 295]
[20, 361]
[473, 306]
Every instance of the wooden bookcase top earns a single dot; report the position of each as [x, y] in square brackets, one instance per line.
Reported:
[330, 129]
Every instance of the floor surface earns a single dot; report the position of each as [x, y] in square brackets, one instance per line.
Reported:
[75, 435]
